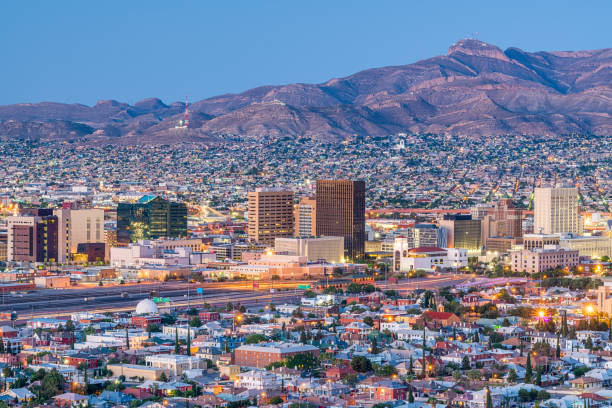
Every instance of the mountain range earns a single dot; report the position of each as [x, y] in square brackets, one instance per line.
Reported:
[476, 89]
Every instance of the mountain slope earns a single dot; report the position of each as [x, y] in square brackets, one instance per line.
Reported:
[476, 89]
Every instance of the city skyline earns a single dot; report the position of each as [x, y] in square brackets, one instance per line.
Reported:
[204, 50]
[407, 221]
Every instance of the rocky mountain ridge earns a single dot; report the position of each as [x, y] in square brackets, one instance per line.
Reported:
[476, 89]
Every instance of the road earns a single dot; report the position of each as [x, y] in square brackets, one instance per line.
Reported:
[63, 302]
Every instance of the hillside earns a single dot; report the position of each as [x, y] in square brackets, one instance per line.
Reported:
[476, 89]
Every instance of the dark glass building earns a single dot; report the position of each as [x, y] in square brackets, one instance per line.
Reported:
[461, 231]
[150, 218]
[341, 213]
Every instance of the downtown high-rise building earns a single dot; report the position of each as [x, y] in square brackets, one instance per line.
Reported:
[33, 237]
[151, 217]
[270, 215]
[77, 227]
[556, 211]
[341, 213]
[305, 217]
[501, 220]
[461, 231]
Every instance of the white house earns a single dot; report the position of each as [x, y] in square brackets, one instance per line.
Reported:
[257, 380]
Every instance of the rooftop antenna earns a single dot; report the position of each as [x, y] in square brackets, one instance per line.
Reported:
[186, 111]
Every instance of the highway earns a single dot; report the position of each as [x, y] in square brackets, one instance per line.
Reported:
[63, 302]
[54, 302]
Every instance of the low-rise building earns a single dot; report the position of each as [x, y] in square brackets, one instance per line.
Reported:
[542, 259]
[262, 354]
[136, 370]
[257, 380]
[175, 363]
[426, 258]
[53, 281]
[328, 249]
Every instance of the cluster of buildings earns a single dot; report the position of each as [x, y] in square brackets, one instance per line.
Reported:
[557, 234]
[402, 171]
[152, 238]
[455, 346]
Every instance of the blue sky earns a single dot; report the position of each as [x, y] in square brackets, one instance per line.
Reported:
[84, 51]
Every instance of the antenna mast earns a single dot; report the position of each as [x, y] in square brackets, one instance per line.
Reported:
[186, 123]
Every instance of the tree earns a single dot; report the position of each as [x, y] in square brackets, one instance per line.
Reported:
[512, 377]
[564, 330]
[374, 346]
[1, 346]
[361, 364]
[528, 371]
[588, 343]
[163, 377]
[558, 350]
[168, 319]
[188, 341]
[127, 339]
[69, 326]
[538, 379]
[255, 338]
[386, 370]
[489, 403]
[177, 346]
[410, 396]
[410, 367]
[53, 383]
[195, 322]
[465, 363]
[303, 339]
[369, 321]
[83, 367]
[7, 371]
[309, 294]
[302, 361]
[424, 338]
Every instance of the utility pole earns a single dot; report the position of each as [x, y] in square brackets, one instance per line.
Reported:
[188, 287]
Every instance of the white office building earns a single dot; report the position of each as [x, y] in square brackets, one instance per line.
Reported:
[556, 211]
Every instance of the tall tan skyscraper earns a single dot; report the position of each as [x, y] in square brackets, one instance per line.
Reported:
[341, 213]
[78, 226]
[556, 211]
[305, 217]
[270, 215]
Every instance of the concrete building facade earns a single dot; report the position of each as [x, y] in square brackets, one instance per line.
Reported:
[542, 259]
[270, 215]
[556, 211]
[78, 226]
[32, 238]
[329, 249]
[305, 217]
